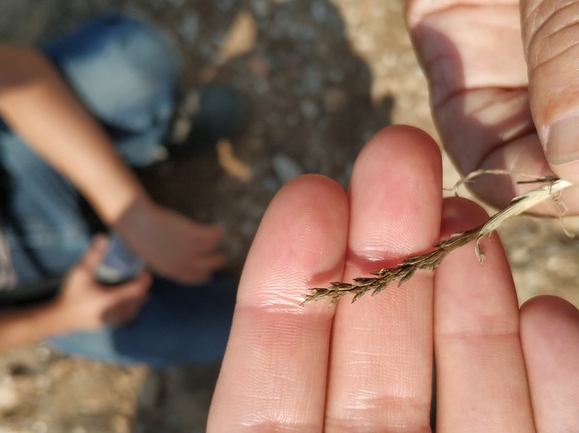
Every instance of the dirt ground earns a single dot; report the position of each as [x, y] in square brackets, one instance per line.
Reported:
[321, 76]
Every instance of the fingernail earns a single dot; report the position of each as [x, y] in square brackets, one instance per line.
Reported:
[563, 141]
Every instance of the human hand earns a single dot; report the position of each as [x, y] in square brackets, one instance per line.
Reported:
[84, 303]
[368, 366]
[170, 243]
[500, 101]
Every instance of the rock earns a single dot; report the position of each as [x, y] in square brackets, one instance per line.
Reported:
[319, 11]
[260, 8]
[8, 394]
[335, 100]
[309, 109]
[188, 28]
[285, 168]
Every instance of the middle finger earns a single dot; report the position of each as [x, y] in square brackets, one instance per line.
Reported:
[381, 363]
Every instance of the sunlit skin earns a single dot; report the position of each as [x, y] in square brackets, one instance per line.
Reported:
[367, 366]
[498, 97]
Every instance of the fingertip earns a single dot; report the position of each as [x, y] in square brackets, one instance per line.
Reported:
[395, 195]
[309, 194]
[219, 229]
[220, 261]
[313, 182]
[568, 171]
[545, 313]
[100, 238]
[407, 139]
[562, 148]
[206, 269]
[214, 232]
[95, 251]
[99, 241]
[550, 341]
[146, 276]
[408, 131]
[301, 242]
[138, 285]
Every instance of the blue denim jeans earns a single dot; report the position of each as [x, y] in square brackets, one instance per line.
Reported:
[125, 72]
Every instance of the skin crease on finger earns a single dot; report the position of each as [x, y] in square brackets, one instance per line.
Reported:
[550, 34]
[481, 375]
[274, 372]
[478, 83]
[273, 376]
[381, 368]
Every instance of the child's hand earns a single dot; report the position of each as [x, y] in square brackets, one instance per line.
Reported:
[172, 244]
[84, 303]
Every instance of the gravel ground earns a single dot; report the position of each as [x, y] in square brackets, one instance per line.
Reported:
[321, 77]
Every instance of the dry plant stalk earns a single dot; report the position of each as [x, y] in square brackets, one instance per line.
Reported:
[430, 261]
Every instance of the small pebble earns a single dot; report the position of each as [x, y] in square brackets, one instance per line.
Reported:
[309, 109]
[188, 28]
[285, 168]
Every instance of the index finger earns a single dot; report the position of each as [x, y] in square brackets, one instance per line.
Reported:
[381, 365]
[273, 376]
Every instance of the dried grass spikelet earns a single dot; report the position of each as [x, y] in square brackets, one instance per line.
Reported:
[430, 261]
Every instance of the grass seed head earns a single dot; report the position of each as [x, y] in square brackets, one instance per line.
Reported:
[430, 261]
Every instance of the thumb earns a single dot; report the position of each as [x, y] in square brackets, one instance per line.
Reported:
[550, 33]
[95, 252]
[132, 293]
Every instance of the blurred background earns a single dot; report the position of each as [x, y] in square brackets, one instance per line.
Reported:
[321, 77]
